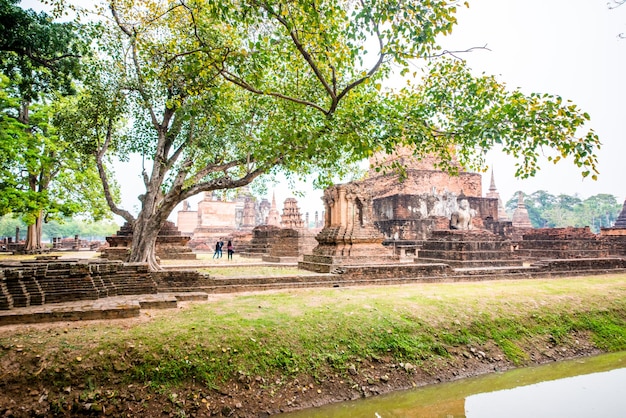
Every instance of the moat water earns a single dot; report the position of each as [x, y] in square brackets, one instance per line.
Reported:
[589, 387]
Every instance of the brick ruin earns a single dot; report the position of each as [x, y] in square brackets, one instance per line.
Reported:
[349, 235]
[170, 244]
[294, 239]
[39, 282]
[411, 213]
[286, 243]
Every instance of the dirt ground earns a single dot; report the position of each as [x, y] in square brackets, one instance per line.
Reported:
[251, 396]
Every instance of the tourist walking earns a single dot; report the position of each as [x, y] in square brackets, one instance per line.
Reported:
[230, 249]
[218, 249]
[221, 243]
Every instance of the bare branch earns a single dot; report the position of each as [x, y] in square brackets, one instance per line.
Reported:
[453, 53]
[46, 62]
[104, 179]
[141, 84]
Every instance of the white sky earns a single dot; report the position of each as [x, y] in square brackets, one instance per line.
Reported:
[565, 47]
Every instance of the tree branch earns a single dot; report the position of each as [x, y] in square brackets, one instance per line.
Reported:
[241, 83]
[453, 53]
[104, 179]
[141, 84]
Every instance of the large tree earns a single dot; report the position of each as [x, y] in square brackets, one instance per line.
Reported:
[41, 174]
[221, 92]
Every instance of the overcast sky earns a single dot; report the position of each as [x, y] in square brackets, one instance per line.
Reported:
[566, 47]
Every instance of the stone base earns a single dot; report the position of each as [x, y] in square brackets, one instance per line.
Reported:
[327, 263]
[468, 248]
[274, 259]
[289, 245]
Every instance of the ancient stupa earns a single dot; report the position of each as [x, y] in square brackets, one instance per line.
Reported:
[520, 216]
[493, 194]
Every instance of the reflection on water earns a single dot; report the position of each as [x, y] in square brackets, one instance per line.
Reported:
[592, 387]
[590, 395]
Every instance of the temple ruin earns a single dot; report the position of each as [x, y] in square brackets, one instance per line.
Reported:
[426, 217]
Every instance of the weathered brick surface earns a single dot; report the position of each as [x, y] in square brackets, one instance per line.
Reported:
[263, 237]
[291, 244]
[420, 182]
[43, 282]
[562, 243]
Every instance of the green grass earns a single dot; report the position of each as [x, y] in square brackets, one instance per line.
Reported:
[321, 331]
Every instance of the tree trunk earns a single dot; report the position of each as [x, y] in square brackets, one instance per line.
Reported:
[33, 234]
[143, 247]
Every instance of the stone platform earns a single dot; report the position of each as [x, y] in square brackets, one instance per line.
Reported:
[173, 286]
[118, 307]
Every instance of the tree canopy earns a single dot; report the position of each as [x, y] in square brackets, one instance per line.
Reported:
[41, 175]
[40, 55]
[219, 93]
[546, 210]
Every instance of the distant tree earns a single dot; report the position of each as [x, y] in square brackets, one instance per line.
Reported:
[562, 212]
[546, 210]
[8, 223]
[84, 228]
[598, 211]
[543, 200]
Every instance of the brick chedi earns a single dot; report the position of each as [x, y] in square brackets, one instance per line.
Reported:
[408, 207]
[273, 216]
[520, 216]
[293, 239]
[291, 217]
[349, 236]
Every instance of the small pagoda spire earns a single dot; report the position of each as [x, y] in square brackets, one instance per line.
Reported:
[493, 194]
[520, 216]
[273, 216]
[492, 186]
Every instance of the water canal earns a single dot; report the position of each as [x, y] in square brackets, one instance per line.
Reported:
[588, 387]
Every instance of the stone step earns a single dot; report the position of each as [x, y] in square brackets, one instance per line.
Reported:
[108, 308]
